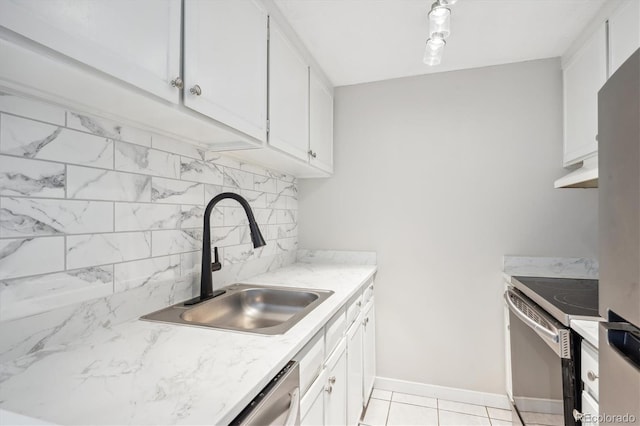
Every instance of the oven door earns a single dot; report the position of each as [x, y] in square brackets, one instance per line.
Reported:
[542, 366]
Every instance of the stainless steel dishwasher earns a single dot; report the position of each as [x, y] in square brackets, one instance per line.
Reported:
[278, 403]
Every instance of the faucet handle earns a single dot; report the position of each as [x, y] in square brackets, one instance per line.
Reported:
[216, 265]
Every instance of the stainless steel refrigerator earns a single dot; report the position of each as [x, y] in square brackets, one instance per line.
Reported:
[619, 212]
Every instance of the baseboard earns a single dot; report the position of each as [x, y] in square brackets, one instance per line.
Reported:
[452, 394]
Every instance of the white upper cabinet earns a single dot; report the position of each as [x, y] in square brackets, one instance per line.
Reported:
[583, 75]
[135, 41]
[227, 75]
[288, 96]
[624, 33]
[225, 63]
[320, 124]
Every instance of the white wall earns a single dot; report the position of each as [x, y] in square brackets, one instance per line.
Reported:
[442, 175]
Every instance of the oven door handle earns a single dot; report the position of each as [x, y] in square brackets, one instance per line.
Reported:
[539, 329]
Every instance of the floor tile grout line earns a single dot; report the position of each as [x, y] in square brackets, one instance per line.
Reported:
[414, 405]
[386, 420]
[464, 403]
[487, 410]
[460, 412]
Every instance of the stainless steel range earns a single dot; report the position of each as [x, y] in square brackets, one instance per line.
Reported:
[543, 348]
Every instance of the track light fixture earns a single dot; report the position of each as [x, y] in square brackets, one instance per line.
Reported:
[439, 29]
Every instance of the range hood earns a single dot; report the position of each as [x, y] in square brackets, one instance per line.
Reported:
[584, 177]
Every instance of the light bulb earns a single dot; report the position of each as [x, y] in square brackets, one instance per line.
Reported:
[439, 21]
[433, 51]
[447, 2]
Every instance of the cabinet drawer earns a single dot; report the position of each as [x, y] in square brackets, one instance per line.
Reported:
[310, 359]
[334, 330]
[589, 410]
[589, 368]
[310, 399]
[368, 293]
[353, 308]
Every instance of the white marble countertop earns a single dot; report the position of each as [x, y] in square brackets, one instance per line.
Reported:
[588, 329]
[151, 373]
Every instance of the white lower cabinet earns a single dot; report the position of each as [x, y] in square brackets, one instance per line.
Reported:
[589, 410]
[311, 360]
[589, 376]
[312, 403]
[589, 369]
[368, 350]
[337, 366]
[354, 372]
[335, 396]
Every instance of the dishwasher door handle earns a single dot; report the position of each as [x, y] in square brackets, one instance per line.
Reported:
[294, 408]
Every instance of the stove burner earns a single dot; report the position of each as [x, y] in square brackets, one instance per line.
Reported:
[579, 300]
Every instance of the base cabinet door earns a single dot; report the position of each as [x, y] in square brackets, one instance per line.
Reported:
[312, 405]
[135, 41]
[368, 350]
[354, 372]
[225, 63]
[335, 395]
[589, 410]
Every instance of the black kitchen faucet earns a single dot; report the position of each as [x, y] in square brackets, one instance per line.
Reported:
[206, 280]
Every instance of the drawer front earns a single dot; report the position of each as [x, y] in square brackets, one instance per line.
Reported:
[310, 358]
[589, 369]
[353, 309]
[309, 401]
[334, 331]
[589, 410]
[368, 293]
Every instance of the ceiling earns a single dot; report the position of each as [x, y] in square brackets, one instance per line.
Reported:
[358, 41]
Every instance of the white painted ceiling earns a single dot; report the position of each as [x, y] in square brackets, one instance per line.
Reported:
[358, 41]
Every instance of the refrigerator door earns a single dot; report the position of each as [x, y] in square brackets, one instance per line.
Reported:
[619, 212]
[619, 193]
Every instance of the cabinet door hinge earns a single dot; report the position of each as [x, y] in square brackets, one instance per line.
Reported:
[268, 126]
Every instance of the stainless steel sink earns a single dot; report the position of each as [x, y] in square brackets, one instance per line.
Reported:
[245, 307]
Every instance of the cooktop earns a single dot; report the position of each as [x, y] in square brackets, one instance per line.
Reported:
[563, 298]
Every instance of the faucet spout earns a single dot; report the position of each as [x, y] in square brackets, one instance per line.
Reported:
[206, 279]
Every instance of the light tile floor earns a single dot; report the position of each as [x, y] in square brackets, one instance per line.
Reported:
[401, 409]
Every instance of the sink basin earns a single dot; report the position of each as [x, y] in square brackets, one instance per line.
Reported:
[244, 307]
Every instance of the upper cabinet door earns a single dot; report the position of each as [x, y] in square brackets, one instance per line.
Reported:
[288, 96]
[624, 34]
[583, 76]
[320, 124]
[225, 63]
[135, 41]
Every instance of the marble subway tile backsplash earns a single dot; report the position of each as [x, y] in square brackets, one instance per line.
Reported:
[92, 212]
